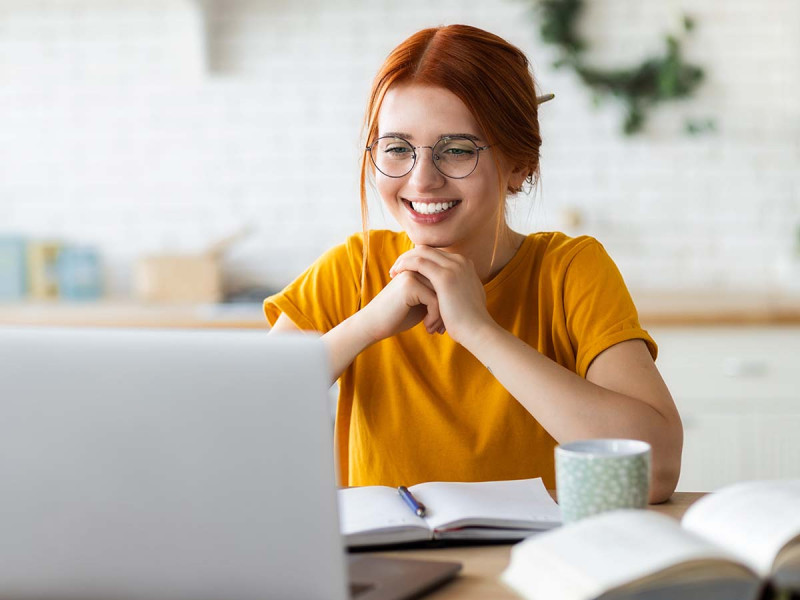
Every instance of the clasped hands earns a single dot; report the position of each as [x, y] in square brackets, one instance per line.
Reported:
[439, 288]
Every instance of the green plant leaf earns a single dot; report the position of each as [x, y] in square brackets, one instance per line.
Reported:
[657, 79]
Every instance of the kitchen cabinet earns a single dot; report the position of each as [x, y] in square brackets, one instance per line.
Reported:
[737, 391]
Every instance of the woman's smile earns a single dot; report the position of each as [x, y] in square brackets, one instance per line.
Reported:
[430, 211]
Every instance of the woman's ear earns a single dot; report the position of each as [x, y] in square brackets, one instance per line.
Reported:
[517, 178]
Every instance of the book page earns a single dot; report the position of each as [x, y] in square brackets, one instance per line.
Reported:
[375, 508]
[518, 503]
[586, 559]
[754, 519]
[786, 570]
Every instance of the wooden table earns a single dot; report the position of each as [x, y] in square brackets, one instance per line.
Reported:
[479, 577]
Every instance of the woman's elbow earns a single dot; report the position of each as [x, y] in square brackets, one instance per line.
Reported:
[663, 483]
[666, 466]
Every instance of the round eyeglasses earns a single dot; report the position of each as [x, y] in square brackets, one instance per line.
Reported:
[454, 157]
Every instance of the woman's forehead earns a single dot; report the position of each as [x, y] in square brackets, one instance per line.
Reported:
[425, 111]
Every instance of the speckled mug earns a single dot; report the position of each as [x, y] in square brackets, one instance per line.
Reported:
[593, 476]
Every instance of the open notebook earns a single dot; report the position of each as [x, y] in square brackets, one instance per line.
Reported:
[486, 510]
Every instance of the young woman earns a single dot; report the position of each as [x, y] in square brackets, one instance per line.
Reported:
[466, 351]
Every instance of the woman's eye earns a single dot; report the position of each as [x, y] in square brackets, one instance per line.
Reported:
[398, 152]
[457, 152]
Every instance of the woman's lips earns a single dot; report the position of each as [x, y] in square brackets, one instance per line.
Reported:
[430, 204]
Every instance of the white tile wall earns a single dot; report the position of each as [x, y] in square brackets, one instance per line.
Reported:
[153, 125]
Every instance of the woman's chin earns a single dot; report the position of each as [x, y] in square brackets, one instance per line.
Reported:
[421, 239]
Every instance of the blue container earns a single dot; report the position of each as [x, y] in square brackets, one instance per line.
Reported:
[13, 268]
[79, 273]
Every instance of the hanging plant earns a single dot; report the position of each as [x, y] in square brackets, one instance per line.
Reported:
[655, 80]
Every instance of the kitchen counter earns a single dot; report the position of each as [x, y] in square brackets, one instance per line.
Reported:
[712, 308]
[667, 308]
[125, 313]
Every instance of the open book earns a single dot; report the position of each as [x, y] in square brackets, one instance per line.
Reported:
[486, 510]
[728, 545]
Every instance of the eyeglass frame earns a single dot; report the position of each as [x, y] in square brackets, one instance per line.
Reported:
[414, 149]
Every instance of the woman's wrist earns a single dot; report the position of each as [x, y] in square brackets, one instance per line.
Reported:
[480, 335]
[355, 334]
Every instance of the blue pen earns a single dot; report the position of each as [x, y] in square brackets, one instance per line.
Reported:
[413, 504]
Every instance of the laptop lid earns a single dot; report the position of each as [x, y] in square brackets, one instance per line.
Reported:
[169, 464]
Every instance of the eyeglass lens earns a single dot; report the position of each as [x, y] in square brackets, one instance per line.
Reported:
[453, 157]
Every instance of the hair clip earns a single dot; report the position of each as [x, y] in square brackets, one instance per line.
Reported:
[544, 98]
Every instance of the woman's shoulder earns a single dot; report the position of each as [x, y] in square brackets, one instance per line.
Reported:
[558, 255]
[577, 260]
[559, 247]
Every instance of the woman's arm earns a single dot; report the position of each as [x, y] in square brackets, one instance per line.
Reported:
[344, 342]
[283, 325]
[622, 395]
[404, 302]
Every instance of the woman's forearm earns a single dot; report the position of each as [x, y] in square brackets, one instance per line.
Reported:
[569, 407]
[344, 342]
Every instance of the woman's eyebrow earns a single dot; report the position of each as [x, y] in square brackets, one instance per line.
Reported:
[408, 136]
[469, 136]
[399, 134]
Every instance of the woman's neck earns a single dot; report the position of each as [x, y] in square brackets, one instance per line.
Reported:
[508, 242]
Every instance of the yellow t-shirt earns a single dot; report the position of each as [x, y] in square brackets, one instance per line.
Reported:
[419, 407]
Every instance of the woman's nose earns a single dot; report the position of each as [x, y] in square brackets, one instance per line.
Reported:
[424, 174]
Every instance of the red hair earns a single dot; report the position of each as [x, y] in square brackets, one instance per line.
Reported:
[489, 75]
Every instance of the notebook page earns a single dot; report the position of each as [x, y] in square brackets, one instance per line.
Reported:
[585, 559]
[514, 503]
[373, 508]
[752, 519]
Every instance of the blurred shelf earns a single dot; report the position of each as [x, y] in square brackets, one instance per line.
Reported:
[656, 308]
[133, 314]
[714, 308]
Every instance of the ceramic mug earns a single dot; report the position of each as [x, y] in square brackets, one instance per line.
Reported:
[593, 476]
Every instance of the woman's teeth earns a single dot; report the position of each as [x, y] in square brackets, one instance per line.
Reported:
[431, 208]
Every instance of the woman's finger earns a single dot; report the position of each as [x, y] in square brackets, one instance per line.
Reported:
[423, 280]
[435, 256]
[429, 269]
[420, 291]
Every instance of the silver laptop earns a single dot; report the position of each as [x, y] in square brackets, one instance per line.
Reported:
[175, 465]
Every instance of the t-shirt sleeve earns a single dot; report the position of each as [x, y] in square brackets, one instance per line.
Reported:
[598, 307]
[325, 294]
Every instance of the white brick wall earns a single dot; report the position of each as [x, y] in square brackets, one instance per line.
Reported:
[133, 126]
